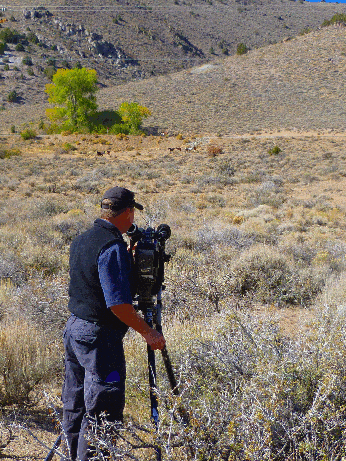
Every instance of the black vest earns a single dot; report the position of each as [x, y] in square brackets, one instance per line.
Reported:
[86, 296]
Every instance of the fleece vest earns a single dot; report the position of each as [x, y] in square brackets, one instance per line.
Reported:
[86, 296]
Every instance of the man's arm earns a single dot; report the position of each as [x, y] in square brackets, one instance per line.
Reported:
[127, 314]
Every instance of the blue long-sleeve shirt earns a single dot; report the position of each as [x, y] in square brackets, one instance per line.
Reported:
[114, 267]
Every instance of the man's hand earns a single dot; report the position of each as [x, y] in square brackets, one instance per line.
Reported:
[155, 339]
[127, 314]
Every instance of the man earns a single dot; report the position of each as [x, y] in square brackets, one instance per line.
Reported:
[101, 312]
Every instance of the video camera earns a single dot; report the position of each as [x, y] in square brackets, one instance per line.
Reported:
[149, 257]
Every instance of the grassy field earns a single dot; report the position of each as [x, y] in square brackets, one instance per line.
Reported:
[253, 310]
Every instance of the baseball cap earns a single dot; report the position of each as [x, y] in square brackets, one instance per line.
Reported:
[120, 198]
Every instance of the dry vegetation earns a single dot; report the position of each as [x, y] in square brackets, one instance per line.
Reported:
[253, 185]
[258, 244]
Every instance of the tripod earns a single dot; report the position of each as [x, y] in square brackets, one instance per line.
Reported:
[152, 315]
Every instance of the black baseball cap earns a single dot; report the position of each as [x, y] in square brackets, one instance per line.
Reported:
[121, 198]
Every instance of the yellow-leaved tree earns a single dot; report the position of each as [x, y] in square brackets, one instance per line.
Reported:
[132, 114]
[73, 92]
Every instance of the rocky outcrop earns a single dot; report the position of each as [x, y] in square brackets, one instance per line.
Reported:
[36, 13]
[86, 41]
[94, 43]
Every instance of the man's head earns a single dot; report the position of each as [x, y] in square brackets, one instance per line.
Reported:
[117, 206]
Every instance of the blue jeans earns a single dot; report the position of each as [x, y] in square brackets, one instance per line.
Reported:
[95, 375]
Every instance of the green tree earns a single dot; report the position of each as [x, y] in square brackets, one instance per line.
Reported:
[132, 114]
[73, 90]
[8, 35]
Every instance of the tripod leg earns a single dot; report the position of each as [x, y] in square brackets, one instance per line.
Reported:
[153, 395]
[174, 385]
[52, 451]
[152, 380]
[169, 370]
[152, 384]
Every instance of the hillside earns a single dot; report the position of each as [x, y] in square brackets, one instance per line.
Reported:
[131, 41]
[297, 85]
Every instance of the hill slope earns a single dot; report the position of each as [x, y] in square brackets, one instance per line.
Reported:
[125, 39]
[295, 84]
[298, 84]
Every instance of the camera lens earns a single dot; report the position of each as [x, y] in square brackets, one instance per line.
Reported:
[164, 231]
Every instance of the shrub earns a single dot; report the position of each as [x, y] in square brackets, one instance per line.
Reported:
[65, 64]
[69, 147]
[28, 134]
[27, 358]
[274, 150]
[250, 393]
[13, 129]
[338, 18]
[8, 35]
[8, 153]
[213, 151]
[267, 193]
[51, 62]
[20, 47]
[27, 61]
[32, 37]
[49, 72]
[305, 31]
[11, 267]
[12, 96]
[3, 47]
[242, 48]
[268, 276]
